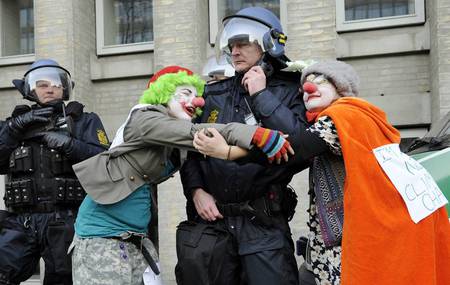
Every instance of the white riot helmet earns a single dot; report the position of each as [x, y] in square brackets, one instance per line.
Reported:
[214, 69]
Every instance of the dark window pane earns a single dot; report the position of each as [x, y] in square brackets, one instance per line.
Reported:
[17, 27]
[369, 9]
[128, 21]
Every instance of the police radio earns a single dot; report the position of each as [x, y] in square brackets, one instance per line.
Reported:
[63, 123]
[266, 66]
[59, 122]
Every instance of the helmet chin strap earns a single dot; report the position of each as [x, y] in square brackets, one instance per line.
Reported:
[57, 104]
[265, 65]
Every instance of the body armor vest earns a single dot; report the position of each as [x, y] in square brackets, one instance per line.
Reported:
[40, 178]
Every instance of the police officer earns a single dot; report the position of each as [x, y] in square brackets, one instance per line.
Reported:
[38, 145]
[250, 201]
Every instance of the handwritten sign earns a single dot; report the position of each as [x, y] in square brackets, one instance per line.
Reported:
[416, 186]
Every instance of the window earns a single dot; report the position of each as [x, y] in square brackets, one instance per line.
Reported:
[124, 26]
[16, 31]
[371, 14]
[218, 9]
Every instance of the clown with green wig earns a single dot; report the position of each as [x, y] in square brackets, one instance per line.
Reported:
[111, 244]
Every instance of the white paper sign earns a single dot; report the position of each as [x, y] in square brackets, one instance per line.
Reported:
[150, 278]
[416, 186]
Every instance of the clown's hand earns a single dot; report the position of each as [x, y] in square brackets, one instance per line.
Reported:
[273, 144]
[298, 65]
[210, 142]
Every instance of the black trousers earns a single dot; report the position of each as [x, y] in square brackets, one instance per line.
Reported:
[25, 238]
[254, 254]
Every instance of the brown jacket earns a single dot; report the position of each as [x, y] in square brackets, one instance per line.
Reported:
[149, 137]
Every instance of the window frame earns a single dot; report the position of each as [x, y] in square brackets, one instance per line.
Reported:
[379, 23]
[214, 21]
[13, 59]
[114, 49]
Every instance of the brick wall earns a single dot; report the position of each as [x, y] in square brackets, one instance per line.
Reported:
[311, 29]
[439, 12]
[114, 99]
[181, 31]
[110, 85]
[400, 85]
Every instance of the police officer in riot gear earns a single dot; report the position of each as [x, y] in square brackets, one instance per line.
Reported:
[38, 145]
[250, 201]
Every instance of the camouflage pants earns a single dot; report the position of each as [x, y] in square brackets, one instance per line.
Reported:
[108, 261]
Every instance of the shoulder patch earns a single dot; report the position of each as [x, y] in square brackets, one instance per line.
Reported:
[213, 116]
[102, 137]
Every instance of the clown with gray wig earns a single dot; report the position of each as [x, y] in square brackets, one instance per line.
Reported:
[111, 245]
[362, 230]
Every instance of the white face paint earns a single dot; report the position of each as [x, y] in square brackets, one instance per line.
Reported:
[181, 104]
[324, 94]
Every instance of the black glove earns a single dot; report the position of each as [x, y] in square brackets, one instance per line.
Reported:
[19, 124]
[58, 141]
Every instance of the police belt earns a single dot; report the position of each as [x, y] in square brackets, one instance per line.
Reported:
[137, 241]
[261, 210]
[43, 207]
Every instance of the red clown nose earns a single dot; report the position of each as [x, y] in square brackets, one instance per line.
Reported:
[309, 87]
[198, 102]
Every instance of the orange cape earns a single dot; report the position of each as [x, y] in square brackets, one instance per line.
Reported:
[381, 244]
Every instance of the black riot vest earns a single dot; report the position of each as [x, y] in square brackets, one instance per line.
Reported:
[41, 179]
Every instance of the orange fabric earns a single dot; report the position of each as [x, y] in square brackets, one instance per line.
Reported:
[381, 244]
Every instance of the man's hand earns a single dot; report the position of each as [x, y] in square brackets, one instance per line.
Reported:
[205, 205]
[254, 80]
[58, 141]
[19, 124]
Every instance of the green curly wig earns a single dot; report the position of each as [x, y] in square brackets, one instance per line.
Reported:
[162, 90]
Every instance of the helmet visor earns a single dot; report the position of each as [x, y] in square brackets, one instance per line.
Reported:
[45, 78]
[239, 30]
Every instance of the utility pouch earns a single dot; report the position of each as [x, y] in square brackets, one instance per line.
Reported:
[74, 191]
[274, 198]
[79, 191]
[21, 159]
[19, 193]
[60, 190]
[68, 191]
[289, 202]
[59, 164]
[200, 251]
[59, 235]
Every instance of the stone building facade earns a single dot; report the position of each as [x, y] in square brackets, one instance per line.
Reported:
[404, 66]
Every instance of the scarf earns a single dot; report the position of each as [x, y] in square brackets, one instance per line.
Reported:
[328, 174]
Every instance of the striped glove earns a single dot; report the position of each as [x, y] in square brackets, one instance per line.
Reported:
[271, 142]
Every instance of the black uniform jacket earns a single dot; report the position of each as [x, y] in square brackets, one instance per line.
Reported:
[89, 138]
[278, 107]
